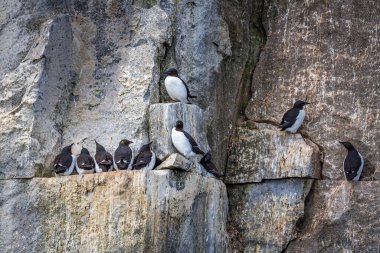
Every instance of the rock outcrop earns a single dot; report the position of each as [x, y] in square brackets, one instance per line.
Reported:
[260, 151]
[125, 211]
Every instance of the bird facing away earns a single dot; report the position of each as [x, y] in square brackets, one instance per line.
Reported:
[353, 163]
[146, 159]
[176, 87]
[85, 164]
[209, 165]
[294, 117]
[123, 155]
[103, 159]
[64, 162]
[183, 141]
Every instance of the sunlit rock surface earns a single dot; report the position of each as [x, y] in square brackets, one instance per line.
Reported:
[340, 216]
[126, 211]
[261, 151]
[265, 214]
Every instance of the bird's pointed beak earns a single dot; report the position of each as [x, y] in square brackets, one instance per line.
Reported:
[307, 103]
[341, 142]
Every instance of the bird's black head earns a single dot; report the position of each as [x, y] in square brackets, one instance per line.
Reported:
[179, 125]
[146, 147]
[347, 145]
[67, 149]
[171, 72]
[99, 147]
[125, 142]
[299, 104]
[84, 151]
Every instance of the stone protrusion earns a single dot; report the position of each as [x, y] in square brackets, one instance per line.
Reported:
[261, 151]
[176, 162]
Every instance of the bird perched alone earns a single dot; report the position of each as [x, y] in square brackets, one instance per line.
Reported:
[64, 162]
[294, 117]
[146, 159]
[176, 87]
[354, 162]
[123, 155]
[209, 165]
[103, 159]
[183, 141]
[85, 164]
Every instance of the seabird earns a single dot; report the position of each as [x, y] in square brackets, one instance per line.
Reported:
[146, 159]
[183, 141]
[354, 162]
[64, 162]
[85, 164]
[176, 87]
[123, 155]
[103, 159]
[294, 117]
[209, 165]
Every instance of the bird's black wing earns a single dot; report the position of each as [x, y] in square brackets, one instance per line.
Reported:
[352, 164]
[209, 165]
[103, 158]
[187, 89]
[194, 145]
[85, 162]
[142, 159]
[62, 162]
[289, 118]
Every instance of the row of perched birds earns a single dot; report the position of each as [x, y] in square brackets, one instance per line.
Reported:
[103, 161]
[183, 142]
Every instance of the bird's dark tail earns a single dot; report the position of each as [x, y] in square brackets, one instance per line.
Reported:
[191, 96]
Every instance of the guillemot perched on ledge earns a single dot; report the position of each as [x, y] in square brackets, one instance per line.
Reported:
[64, 162]
[103, 159]
[353, 163]
[183, 141]
[294, 117]
[85, 164]
[176, 87]
[146, 159]
[123, 155]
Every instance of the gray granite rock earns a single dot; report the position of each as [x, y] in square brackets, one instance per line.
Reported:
[162, 120]
[328, 54]
[176, 162]
[340, 216]
[265, 215]
[261, 151]
[122, 211]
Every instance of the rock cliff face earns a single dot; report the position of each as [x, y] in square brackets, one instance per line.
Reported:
[75, 71]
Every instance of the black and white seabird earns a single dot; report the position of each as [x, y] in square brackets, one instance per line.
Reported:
[354, 162]
[183, 141]
[103, 159]
[209, 165]
[294, 117]
[176, 87]
[64, 162]
[85, 164]
[123, 155]
[146, 159]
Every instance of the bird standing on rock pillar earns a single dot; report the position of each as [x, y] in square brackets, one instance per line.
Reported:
[294, 117]
[176, 87]
[183, 141]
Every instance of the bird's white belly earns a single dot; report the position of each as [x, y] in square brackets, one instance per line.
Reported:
[298, 123]
[360, 169]
[181, 143]
[152, 162]
[176, 89]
